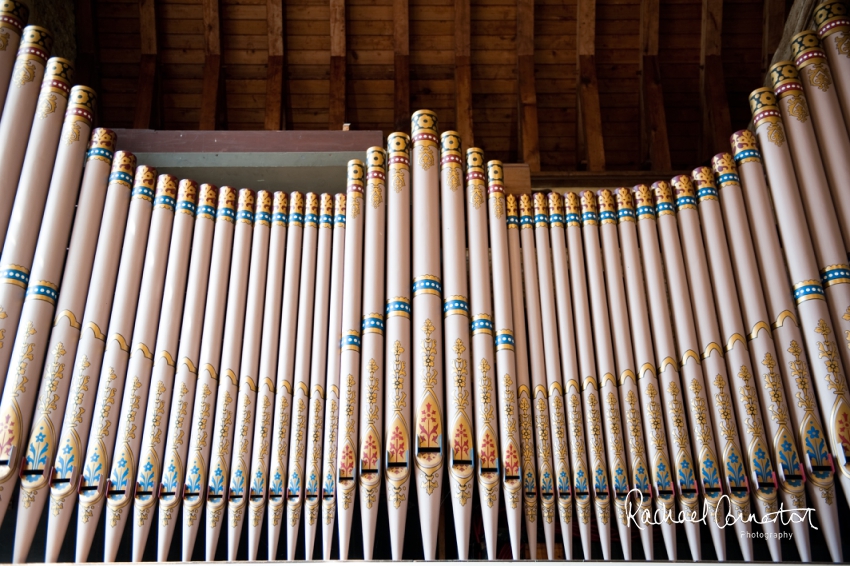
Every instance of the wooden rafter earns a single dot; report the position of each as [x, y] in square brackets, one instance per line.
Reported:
[401, 63]
[275, 117]
[336, 103]
[654, 143]
[212, 65]
[463, 74]
[589, 114]
[529, 138]
[717, 124]
[147, 64]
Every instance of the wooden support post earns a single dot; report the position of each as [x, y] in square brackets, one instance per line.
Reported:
[147, 64]
[716, 122]
[275, 117]
[463, 74]
[654, 143]
[212, 65]
[774, 21]
[336, 108]
[589, 113]
[401, 62]
[529, 140]
[799, 18]
[87, 70]
[717, 103]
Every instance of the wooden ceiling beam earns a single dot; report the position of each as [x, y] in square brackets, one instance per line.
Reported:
[147, 65]
[654, 143]
[463, 74]
[336, 103]
[591, 147]
[275, 117]
[401, 64]
[716, 121]
[529, 139]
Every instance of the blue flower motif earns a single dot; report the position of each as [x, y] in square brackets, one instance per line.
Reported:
[259, 475]
[148, 467]
[122, 463]
[662, 467]
[813, 432]
[760, 454]
[708, 463]
[685, 465]
[239, 473]
[277, 476]
[733, 458]
[95, 457]
[218, 472]
[580, 473]
[641, 471]
[68, 449]
[39, 437]
[786, 446]
[172, 468]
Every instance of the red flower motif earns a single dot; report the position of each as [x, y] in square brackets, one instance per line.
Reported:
[512, 461]
[844, 429]
[488, 451]
[429, 427]
[397, 446]
[461, 442]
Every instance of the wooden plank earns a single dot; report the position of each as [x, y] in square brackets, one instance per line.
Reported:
[590, 115]
[336, 104]
[463, 74]
[716, 122]
[529, 140]
[463, 102]
[275, 116]
[212, 28]
[654, 139]
[212, 66]
[401, 65]
[774, 21]
[210, 92]
[607, 179]
[799, 18]
[87, 70]
[591, 148]
[146, 89]
[316, 141]
[517, 178]
[147, 64]
[654, 143]
[717, 101]
[147, 27]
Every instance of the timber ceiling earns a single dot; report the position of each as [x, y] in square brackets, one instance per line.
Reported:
[188, 39]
